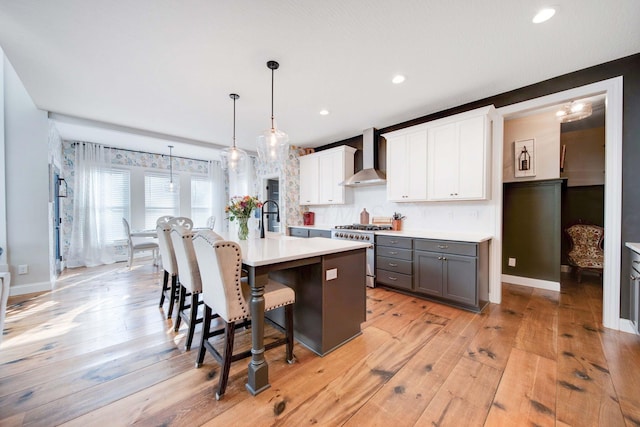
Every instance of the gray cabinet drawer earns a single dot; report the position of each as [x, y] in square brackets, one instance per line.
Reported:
[320, 233]
[385, 251]
[397, 242]
[299, 232]
[391, 278]
[445, 246]
[395, 265]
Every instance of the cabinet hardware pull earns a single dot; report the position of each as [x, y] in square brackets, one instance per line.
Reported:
[634, 277]
[392, 264]
[393, 252]
[443, 246]
[440, 258]
[393, 242]
[392, 278]
[444, 258]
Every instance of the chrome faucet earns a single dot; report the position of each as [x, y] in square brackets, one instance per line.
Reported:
[267, 213]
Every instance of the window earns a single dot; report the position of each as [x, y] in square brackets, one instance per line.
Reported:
[200, 200]
[157, 200]
[116, 184]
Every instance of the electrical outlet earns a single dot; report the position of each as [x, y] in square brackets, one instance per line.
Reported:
[331, 274]
[23, 269]
[512, 262]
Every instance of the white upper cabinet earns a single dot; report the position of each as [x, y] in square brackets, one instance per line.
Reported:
[309, 180]
[407, 164]
[458, 153]
[322, 173]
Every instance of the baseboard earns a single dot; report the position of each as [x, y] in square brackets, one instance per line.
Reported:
[626, 326]
[532, 283]
[29, 288]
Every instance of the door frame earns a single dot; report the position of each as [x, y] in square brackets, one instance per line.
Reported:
[612, 89]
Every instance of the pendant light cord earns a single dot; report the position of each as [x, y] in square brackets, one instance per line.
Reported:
[234, 122]
[272, 126]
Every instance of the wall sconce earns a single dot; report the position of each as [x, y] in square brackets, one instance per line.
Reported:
[62, 187]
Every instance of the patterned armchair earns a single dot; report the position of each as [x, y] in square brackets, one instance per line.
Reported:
[586, 251]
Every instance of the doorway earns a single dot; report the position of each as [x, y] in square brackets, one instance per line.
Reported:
[272, 191]
[612, 90]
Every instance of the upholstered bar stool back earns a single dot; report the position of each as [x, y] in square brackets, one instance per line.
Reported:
[227, 293]
[168, 258]
[190, 284]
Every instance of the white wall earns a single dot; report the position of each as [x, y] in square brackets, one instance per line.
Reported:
[475, 217]
[27, 186]
[3, 170]
[544, 128]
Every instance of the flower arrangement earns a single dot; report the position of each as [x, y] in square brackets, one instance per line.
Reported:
[241, 207]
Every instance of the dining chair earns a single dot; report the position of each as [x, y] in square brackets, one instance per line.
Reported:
[138, 246]
[190, 285]
[211, 222]
[168, 259]
[226, 293]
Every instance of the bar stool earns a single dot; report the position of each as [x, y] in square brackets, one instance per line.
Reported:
[189, 284]
[226, 293]
[168, 258]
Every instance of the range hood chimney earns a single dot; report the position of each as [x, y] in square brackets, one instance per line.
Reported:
[368, 175]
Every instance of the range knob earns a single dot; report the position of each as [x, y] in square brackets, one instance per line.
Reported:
[368, 238]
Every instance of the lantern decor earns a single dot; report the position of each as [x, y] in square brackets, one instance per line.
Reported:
[524, 156]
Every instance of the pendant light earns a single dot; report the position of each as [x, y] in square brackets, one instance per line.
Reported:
[273, 144]
[172, 187]
[233, 158]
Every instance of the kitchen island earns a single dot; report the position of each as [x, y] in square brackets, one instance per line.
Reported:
[329, 279]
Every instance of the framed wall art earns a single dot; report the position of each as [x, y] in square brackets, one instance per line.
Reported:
[524, 158]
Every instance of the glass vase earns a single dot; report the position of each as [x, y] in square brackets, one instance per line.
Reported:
[243, 228]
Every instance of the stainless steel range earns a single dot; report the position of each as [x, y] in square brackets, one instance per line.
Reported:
[362, 233]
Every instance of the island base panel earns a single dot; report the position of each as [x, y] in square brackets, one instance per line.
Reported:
[327, 313]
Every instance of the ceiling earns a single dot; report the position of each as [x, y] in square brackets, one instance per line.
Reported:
[140, 73]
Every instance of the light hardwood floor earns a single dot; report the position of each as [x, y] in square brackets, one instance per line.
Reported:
[99, 351]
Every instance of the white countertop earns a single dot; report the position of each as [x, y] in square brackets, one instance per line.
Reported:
[438, 235]
[633, 246]
[275, 248]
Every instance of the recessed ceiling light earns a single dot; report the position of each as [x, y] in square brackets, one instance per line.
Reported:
[324, 112]
[398, 79]
[543, 15]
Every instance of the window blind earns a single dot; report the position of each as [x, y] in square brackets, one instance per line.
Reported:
[158, 201]
[201, 200]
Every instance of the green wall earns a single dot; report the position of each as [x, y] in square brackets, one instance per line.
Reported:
[531, 229]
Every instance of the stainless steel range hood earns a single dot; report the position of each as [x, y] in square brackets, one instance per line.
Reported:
[368, 175]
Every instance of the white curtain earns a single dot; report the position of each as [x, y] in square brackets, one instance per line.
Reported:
[218, 194]
[88, 246]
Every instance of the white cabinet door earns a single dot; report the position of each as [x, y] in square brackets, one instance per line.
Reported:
[322, 173]
[330, 176]
[458, 160]
[397, 176]
[309, 180]
[407, 166]
[472, 157]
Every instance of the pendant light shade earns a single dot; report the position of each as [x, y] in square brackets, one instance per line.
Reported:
[233, 158]
[172, 186]
[273, 144]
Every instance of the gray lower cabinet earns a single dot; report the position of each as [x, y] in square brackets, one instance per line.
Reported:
[451, 272]
[394, 262]
[634, 278]
[454, 272]
[309, 232]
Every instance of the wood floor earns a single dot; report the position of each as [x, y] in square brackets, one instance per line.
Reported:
[99, 351]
